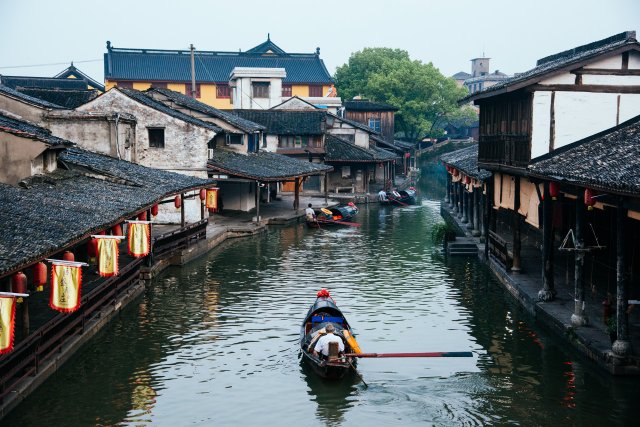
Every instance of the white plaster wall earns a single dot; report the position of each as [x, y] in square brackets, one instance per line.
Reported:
[590, 79]
[540, 123]
[243, 94]
[272, 144]
[634, 60]
[362, 138]
[169, 214]
[580, 114]
[564, 78]
[613, 62]
[629, 106]
[185, 148]
[237, 196]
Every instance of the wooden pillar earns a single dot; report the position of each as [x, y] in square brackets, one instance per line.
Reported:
[148, 262]
[621, 347]
[579, 317]
[548, 292]
[465, 204]
[476, 212]
[182, 213]
[460, 199]
[202, 208]
[326, 189]
[296, 198]
[258, 202]
[447, 198]
[489, 216]
[25, 317]
[516, 227]
[470, 208]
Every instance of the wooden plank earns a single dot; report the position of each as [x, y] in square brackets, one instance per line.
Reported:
[586, 88]
[552, 123]
[607, 72]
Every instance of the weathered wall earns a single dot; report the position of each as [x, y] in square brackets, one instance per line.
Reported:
[237, 196]
[20, 158]
[28, 112]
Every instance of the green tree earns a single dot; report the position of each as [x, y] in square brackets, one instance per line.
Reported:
[424, 96]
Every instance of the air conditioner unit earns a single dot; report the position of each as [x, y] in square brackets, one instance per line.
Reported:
[210, 153]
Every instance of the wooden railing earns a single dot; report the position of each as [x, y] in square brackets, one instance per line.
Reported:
[180, 238]
[27, 355]
[509, 150]
[498, 250]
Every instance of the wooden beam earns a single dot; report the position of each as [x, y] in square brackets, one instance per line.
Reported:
[625, 60]
[586, 88]
[552, 123]
[606, 72]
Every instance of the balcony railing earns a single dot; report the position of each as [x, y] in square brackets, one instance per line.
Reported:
[507, 150]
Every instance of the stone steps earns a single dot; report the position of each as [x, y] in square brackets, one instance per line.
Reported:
[462, 247]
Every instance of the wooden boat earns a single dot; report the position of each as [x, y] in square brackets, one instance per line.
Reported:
[398, 197]
[334, 216]
[324, 311]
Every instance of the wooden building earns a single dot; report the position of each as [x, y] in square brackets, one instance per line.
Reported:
[377, 115]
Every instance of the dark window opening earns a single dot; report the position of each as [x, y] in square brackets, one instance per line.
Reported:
[286, 90]
[260, 90]
[374, 124]
[315, 90]
[125, 85]
[234, 138]
[156, 137]
[223, 91]
[187, 88]
[159, 85]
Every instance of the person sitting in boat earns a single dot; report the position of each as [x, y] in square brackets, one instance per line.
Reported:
[322, 346]
[311, 214]
[382, 195]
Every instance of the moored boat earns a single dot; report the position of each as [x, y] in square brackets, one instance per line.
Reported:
[323, 312]
[397, 197]
[336, 215]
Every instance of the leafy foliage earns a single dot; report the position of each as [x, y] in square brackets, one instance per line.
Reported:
[426, 98]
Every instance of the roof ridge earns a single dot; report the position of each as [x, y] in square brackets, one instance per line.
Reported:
[624, 36]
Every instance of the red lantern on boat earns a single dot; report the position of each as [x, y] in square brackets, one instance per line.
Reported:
[177, 202]
[19, 284]
[40, 276]
[116, 230]
[142, 216]
[154, 210]
[323, 293]
[68, 256]
[589, 198]
[203, 194]
[554, 190]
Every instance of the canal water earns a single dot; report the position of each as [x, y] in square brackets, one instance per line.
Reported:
[216, 342]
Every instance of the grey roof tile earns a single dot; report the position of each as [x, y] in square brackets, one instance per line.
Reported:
[466, 160]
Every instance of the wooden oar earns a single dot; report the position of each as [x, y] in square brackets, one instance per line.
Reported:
[358, 374]
[398, 201]
[432, 354]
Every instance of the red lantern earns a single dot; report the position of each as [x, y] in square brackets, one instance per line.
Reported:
[589, 198]
[40, 276]
[68, 256]
[142, 216]
[203, 194]
[19, 284]
[177, 202]
[102, 233]
[92, 248]
[455, 172]
[467, 180]
[116, 230]
[554, 190]
[154, 210]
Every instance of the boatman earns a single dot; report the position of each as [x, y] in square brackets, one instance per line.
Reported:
[382, 195]
[311, 214]
[322, 346]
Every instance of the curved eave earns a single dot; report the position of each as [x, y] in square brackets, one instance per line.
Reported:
[245, 175]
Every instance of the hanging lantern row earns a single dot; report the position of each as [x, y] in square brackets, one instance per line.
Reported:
[177, 202]
[154, 210]
[19, 284]
[203, 194]
[40, 276]
[589, 198]
[142, 216]
[554, 190]
[467, 180]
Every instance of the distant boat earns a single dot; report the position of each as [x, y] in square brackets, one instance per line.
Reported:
[334, 216]
[324, 311]
[398, 197]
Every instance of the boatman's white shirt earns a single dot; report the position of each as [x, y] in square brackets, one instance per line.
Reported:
[322, 346]
[310, 213]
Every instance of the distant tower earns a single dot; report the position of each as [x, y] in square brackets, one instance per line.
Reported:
[480, 67]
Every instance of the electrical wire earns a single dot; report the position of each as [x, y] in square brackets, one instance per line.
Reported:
[52, 63]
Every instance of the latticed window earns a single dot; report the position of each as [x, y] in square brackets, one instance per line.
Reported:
[375, 124]
[188, 89]
[315, 90]
[286, 90]
[223, 91]
[261, 90]
[156, 137]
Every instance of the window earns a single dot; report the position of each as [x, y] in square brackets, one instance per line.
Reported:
[125, 85]
[346, 171]
[261, 90]
[286, 90]
[156, 137]
[294, 141]
[315, 90]
[187, 89]
[234, 138]
[159, 85]
[374, 124]
[223, 90]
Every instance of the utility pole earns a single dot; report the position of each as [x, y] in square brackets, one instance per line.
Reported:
[193, 73]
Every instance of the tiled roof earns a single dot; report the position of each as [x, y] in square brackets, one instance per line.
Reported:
[557, 62]
[28, 130]
[267, 46]
[283, 122]
[193, 104]
[147, 100]
[210, 66]
[381, 142]
[339, 150]
[17, 82]
[461, 75]
[466, 160]
[65, 98]
[355, 124]
[605, 161]
[73, 71]
[28, 99]
[366, 105]
[61, 208]
[263, 166]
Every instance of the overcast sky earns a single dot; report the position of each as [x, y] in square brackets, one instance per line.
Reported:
[513, 33]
